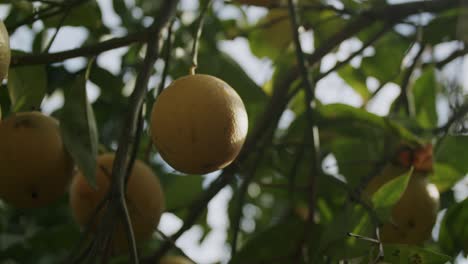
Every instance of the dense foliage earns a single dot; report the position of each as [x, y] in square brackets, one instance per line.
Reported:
[415, 46]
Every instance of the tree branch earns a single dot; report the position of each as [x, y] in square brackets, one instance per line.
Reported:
[404, 98]
[452, 56]
[365, 45]
[459, 114]
[128, 136]
[382, 13]
[47, 12]
[197, 35]
[87, 51]
[243, 189]
[311, 132]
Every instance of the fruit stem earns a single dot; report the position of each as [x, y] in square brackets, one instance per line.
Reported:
[197, 35]
[192, 69]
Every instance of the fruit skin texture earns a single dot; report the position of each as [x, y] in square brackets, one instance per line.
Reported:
[5, 53]
[145, 200]
[35, 167]
[175, 260]
[414, 214]
[199, 124]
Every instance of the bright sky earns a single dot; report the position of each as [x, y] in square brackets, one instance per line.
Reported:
[329, 90]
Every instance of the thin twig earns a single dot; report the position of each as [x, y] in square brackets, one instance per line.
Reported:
[300, 150]
[47, 12]
[340, 64]
[404, 98]
[134, 152]
[240, 203]
[166, 238]
[162, 84]
[167, 58]
[243, 190]
[197, 36]
[461, 112]
[86, 51]
[365, 45]
[381, 254]
[368, 239]
[88, 227]
[38, 14]
[281, 186]
[80, 256]
[311, 132]
[452, 56]
[59, 26]
[128, 136]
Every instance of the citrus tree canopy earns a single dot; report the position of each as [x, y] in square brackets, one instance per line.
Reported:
[241, 131]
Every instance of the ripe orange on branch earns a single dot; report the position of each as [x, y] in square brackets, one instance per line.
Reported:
[35, 167]
[199, 124]
[144, 196]
[414, 215]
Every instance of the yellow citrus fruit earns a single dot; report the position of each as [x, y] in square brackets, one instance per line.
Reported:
[175, 260]
[35, 167]
[199, 124]
[414, 215]
[4, 51]
[144, 196]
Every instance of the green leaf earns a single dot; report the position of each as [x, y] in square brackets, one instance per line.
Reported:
[406, 254]
[442, 28]
[453, 235]
[78, 128]
[272, 35]
[356, 157]
[389, 194]
[445, 176]
[182, 190]
[276, 243]
[386, 62]
[335, 241]
[27, 87]
[424, 94]
[324, 24]
[450, 151]
[86, 15]
[356, 79]
[347, 120]
[109, 83]
[20, 10]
